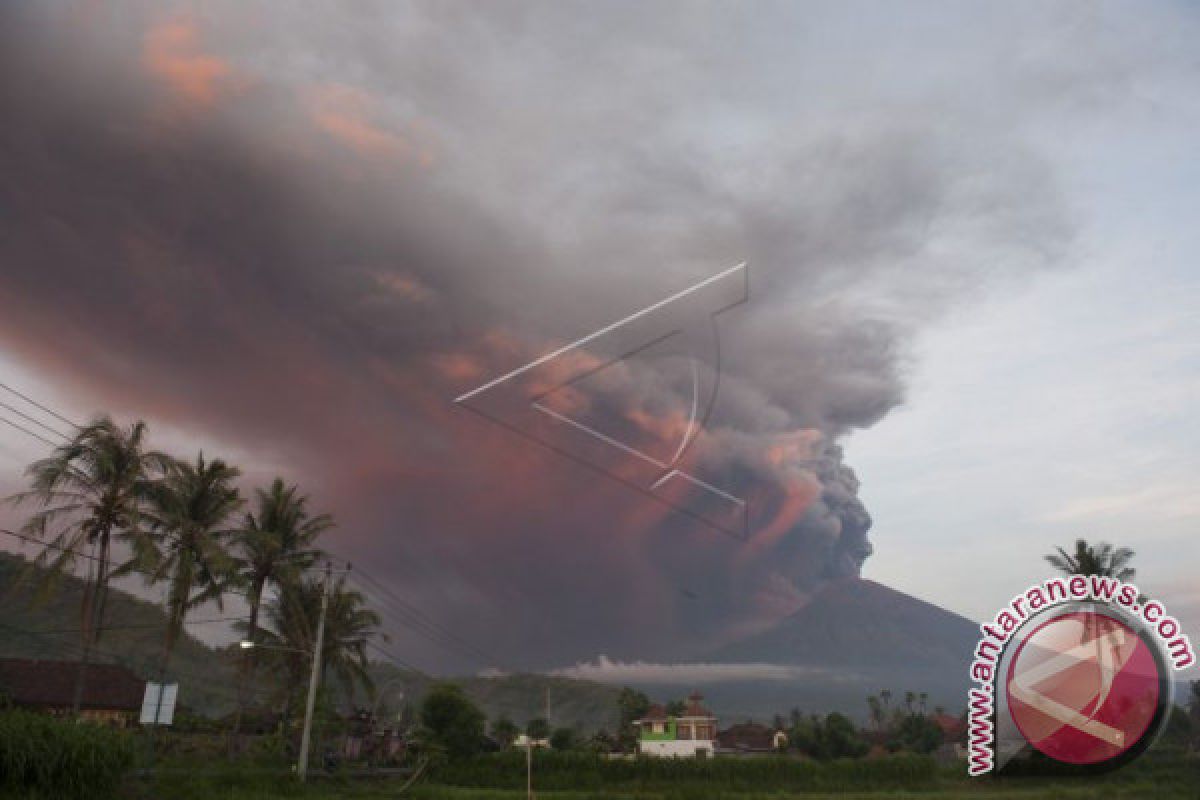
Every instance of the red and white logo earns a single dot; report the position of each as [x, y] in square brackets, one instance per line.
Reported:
[1084, 688]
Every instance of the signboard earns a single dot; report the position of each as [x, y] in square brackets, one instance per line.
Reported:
[160, 701]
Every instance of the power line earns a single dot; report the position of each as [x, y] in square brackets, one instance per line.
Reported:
[416, 614]
[25, 430]
[397, 660]
[412, 618]
[51, 545]
[142, 626]
[34, 420]
[36, 404]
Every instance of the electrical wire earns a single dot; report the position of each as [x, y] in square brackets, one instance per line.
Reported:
[409, 616]
[38, 405]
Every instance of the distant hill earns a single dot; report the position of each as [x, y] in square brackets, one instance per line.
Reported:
[520, 697]
[854, 638]
[133, 637]
[856, 623]
[134, 633]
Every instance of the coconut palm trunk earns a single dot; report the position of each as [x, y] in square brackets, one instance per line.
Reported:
[246, 670]
[186, 539]
[93, 619]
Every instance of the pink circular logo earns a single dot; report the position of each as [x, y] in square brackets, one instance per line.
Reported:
[1084, 688]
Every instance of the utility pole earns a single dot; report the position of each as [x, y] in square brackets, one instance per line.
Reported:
[528, 767]
[314, 677]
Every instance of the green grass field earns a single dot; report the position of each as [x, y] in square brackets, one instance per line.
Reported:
[1151, 778]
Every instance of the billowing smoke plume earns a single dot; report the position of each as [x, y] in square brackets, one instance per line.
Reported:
[299, 237]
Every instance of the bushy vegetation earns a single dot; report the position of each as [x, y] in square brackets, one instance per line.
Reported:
[452, 721]
[833, 737]
[44, 757]
[554, 770]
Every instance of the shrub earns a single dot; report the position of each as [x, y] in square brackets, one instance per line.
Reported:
[916, 732]
[563, 739]
[454, 722]
[44, 757]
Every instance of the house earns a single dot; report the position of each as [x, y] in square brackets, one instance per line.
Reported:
[112, 694]
[522, 741]
[750, 737]
[954, 729]
[691, 734]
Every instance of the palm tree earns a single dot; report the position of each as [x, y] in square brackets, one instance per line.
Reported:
[275, 543]
[909, 699]
[886, 694]
[876, 709]
[923, 700]
[92, 489]
[1102, 560]
[349, 627]
[187, 538]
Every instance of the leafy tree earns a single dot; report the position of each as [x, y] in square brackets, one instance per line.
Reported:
[92, 490]
[563, 739]
[186, 539]
[1101, 559]
[1194, 712]
[805, 736]
[675, 708]
[632, 705]
[537, 728]
[840, 739]
[505, 731]
[916, 732]
[1178, 732]
[454, 722]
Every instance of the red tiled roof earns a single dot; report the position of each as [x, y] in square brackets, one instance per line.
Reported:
[951, 726]
[694, 708]
[51, 684]
[746, 736]
[655, 713]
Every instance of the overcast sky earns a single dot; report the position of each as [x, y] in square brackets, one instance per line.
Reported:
[291, 234]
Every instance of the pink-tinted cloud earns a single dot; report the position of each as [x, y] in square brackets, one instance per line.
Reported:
[172, 53]
[351, 117]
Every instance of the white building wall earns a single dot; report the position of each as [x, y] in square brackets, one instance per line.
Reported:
[676, 748]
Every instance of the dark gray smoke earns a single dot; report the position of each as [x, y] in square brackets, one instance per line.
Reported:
[300, 232]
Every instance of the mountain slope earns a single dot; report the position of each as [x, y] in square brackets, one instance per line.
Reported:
[854, 638]
[133, 636]
[856, 624]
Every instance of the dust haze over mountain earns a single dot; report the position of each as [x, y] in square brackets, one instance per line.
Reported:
[301, 232]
